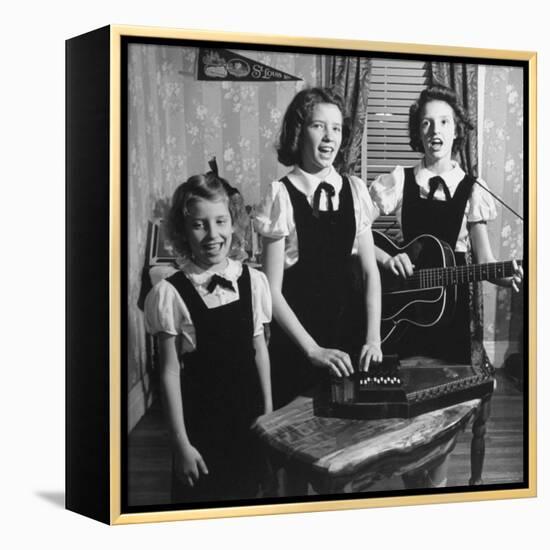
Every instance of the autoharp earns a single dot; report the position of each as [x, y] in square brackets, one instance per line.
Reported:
[416, 385]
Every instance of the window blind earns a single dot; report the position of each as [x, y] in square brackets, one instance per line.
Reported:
[395, 85]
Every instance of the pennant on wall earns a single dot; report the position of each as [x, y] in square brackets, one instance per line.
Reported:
[220, 64]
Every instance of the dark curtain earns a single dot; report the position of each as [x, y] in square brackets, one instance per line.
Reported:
[462, 78]
[350, 78]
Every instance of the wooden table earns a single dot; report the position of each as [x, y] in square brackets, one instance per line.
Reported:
[337, 455]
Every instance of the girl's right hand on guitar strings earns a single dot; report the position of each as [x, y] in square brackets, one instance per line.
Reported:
[400, 264]
[517, 277]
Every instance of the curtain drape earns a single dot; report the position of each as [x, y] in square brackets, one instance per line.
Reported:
[463, 79]
[350, 78]
[502, 166]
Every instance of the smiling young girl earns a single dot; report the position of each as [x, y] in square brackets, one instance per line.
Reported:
[214, 366]
[312, 222]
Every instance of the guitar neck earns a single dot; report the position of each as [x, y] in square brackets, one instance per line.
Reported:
[447, 276]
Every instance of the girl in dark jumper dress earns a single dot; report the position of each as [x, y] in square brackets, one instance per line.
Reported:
[214, 370]
[313, 221]
[437, 197]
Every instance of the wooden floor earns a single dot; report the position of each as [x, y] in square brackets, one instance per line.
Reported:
[149, 454]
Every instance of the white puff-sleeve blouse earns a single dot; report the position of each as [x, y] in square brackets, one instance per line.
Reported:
[165, 311]
[275, 216]
[387, 194]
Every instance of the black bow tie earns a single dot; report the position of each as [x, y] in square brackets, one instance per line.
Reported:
[435, 182]
[217, 280]
[329, 191]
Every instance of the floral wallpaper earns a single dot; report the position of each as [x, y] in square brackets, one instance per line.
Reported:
[175, 125]
[502, 168]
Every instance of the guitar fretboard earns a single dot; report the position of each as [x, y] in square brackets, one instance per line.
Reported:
[446, 276]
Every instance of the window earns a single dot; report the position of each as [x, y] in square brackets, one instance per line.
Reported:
[394, 86]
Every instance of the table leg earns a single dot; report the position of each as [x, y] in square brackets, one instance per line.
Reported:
[477, 450]
[433, 476]
[332, 486]
[293, 482]
[414, 480]
[281, 480]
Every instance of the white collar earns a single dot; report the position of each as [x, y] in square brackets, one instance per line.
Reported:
[201, 277]
[452, 177]
[307, 183]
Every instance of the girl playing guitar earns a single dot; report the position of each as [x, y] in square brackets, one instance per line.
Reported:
[438, 198]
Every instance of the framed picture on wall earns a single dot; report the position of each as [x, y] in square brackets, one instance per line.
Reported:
[307, 267]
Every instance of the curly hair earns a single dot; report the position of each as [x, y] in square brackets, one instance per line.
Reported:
[207, 187]
[297, 114]
[438, 92]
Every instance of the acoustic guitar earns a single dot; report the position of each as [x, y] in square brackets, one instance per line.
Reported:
[428, 297]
